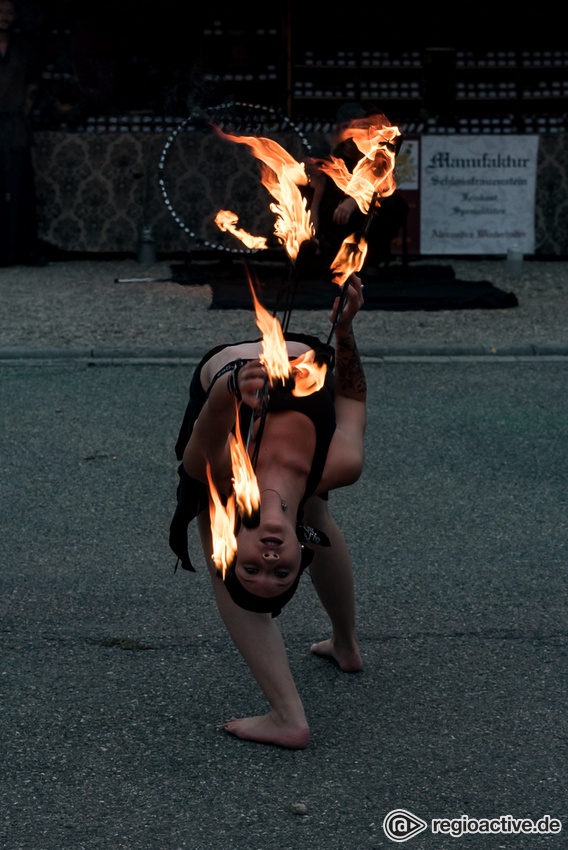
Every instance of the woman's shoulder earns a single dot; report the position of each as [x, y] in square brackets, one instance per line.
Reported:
[228, 354]
[246, 350]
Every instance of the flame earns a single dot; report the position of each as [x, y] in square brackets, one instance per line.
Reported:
[373, 174]
[309, 376]
[227, 221]
[222, 521]
[349, 259]
[272, 154]
[274, 351]
[245, 485]
[281, 175]
[293, 223]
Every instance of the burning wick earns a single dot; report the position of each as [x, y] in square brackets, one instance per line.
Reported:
[274, 355]
[349, 260]
[305, 374]
[245, 484]
[222, 521]
[281, 175]
[372, 177]
[227, 221]
[309, 376]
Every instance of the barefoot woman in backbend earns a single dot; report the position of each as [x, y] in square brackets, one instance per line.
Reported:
[307, 449]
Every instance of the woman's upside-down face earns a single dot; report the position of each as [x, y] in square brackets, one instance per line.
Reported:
[268, 559]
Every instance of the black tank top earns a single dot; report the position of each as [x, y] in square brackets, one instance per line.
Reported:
[318, 407]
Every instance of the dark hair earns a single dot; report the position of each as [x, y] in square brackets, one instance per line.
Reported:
[261, 604]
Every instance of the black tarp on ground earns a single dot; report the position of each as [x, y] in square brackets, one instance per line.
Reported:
[433, 288]
[396, 288]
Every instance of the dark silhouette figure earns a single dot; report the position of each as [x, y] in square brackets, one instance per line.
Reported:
[18, 85]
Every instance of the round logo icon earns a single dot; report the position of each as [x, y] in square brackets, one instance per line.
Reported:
[400, 825]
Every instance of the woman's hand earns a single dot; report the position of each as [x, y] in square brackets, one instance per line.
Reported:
[344, 210]
[249, 382]
[352, 305]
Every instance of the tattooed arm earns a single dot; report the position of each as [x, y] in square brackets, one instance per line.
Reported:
[350, 379]
[349, 375]
[346, 453]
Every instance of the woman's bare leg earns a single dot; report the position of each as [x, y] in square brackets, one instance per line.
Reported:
[332, 576]
[258, 639]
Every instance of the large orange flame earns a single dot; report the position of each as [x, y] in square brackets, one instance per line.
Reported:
[293, 223]
[274, 351]
[308, 376]
[222, 521]
[272, 154]
[227, 221]
[349, 259]
[245, 485]
[373, 174]
[281, 175]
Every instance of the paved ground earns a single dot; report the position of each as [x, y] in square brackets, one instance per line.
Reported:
[78, 306]
[116, 674]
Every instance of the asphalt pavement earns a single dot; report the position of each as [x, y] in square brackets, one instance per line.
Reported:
[117, 673]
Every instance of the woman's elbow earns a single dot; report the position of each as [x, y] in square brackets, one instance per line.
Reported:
[353, 466]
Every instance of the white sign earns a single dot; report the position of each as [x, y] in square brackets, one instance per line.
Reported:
[477, 194]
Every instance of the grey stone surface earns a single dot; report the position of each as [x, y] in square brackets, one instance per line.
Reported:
[77, 305]
[116, 674]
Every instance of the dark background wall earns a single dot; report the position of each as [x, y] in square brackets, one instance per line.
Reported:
[103, 56]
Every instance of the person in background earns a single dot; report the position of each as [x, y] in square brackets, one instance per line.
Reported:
[19, 74]
[336, 215]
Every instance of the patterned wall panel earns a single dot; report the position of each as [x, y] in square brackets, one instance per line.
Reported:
[96, 191]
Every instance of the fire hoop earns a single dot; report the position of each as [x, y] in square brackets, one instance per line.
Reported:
[243, 125]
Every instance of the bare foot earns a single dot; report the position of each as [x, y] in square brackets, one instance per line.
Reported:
[348, 658]
[265, 730]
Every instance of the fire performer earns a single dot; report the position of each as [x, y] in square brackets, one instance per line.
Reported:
[308, 447]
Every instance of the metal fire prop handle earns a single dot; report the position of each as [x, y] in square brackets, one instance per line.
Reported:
[345, 287]
[254, 520]
[143, 280]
